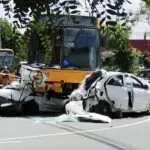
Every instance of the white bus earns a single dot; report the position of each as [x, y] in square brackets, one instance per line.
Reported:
[6, 57]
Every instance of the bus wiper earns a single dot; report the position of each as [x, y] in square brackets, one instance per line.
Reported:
[72, 67]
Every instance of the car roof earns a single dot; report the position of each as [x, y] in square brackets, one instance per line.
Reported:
[112, 74]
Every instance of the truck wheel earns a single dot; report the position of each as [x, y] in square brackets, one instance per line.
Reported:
[103, 108]
[30, 108]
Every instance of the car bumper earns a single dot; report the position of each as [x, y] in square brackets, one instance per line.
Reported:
[9, 107]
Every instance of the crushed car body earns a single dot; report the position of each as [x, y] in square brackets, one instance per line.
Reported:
[98, 96]
[21, 96]
[108, 92]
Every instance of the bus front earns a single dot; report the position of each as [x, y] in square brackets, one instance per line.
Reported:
[6, 58]
[76, 50]
[75, 54]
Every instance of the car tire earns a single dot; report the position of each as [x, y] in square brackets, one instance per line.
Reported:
[103, 108]
[30, 108]
[91, 108]
[148, 110]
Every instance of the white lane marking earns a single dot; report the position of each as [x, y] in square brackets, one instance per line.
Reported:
[75, 132]
[10, 142]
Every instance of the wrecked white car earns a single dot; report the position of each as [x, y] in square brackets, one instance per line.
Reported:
[105, 93]
[99, 94]
[21, 96]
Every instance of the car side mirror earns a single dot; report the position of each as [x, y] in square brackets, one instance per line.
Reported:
[145, 87]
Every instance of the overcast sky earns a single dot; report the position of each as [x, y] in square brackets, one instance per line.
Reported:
[138, 30]
[2, 15]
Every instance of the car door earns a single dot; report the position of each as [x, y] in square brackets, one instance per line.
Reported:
[128, 85]
[140, 97]
[117, 92]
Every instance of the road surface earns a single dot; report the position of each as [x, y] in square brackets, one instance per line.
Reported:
[31, 133]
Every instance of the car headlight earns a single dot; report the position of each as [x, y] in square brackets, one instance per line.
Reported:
[6, 104]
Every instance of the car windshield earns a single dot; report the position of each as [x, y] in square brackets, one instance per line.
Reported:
[145, 74]
[80, 48]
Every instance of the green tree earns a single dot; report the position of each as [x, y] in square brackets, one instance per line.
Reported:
[126, 58]
[43, 34]
[9, 35]
[147, 2]
[24, 10]
[13, 39]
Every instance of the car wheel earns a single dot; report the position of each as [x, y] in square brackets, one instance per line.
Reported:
[103, 108]
[148, 110]
[30, 108]
[86, 107]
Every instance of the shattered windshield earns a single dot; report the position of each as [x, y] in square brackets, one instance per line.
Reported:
[81, 48]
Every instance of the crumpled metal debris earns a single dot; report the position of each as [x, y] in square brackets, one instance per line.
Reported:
[75, 108]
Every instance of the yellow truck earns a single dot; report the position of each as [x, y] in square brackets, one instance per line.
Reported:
[76, 53]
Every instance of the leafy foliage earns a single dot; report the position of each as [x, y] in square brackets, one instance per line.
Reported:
[23, 11]
[43, 34]
[147, 2]
[103, 9]
[146, 60]
[126, 58]
[13, 39]
[109, 12]
[9, 35]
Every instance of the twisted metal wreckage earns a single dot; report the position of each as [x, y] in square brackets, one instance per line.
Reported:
[98, 96]
[20, 96]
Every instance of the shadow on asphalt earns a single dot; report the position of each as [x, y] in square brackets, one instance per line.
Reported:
[133, 115]
[16, 114]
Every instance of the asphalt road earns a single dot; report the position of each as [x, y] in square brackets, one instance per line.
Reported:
[28, 133]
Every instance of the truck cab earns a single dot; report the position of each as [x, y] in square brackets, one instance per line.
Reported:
[75, 53]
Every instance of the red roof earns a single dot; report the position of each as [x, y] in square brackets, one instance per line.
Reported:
[142, 45]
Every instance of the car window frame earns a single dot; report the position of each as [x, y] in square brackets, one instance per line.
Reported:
[113, 78]
[143, 72]
[133, 77]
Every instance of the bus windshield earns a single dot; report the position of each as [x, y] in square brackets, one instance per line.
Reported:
[6, 58]
[81, 48]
